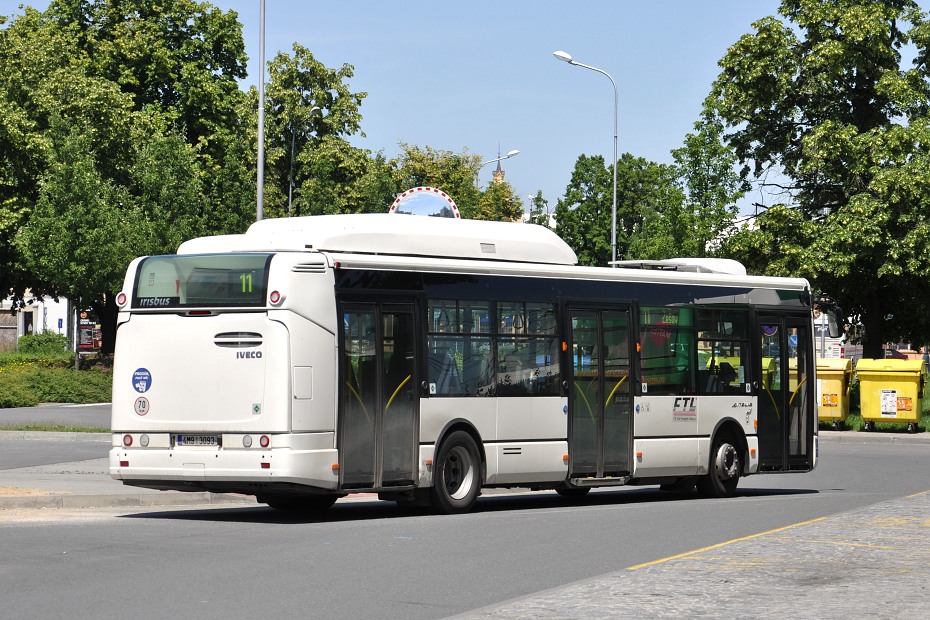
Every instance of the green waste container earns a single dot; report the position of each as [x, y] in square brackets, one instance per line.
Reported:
[891, 390]
[833, 378]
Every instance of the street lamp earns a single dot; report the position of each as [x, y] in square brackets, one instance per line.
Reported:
[491, 161]
[566, 57]
[260, 172]
[290, 182]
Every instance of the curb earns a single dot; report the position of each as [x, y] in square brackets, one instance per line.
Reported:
[55, 436]
[123, 500]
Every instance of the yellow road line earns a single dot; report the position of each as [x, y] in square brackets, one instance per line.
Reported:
[723, 544]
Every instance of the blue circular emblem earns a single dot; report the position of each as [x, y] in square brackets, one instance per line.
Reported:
[142, 380]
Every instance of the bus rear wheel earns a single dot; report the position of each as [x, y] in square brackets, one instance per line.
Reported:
[725, 466]
[457, 475]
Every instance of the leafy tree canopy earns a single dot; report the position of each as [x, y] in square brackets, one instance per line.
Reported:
[820, 97]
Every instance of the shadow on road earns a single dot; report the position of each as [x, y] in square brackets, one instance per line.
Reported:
[363, 510]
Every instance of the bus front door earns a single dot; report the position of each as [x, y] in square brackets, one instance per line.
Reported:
[599, 395]
[378, 404]
[787, 417]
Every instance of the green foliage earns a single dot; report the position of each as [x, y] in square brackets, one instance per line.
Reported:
[44, 343]
[28, 383]
[310, 111]
[539, 211]
[821, 100]
[712, 187]
[454, 173]
[121, 134]
[499, 203]
[649, 206]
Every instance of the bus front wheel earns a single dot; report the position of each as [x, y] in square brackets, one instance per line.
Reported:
[457, 475]
[725, 466]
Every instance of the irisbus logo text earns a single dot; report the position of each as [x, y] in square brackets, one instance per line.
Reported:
[246, 355]
[154, 301]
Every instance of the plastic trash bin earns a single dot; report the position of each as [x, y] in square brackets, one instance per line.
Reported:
[891, 390]
[833, 379]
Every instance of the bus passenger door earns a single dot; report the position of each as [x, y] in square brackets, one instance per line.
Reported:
[379, 403]
[787, 416]
[599, 394]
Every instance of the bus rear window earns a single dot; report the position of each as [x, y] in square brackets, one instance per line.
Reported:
[202, 280]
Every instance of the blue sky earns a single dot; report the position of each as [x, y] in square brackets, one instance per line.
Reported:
[475, 75]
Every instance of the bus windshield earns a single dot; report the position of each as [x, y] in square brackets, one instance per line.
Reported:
[201, 280]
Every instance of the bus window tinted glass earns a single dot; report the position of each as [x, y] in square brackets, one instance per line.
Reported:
[723, 351]
[202, 280]
[667, 340]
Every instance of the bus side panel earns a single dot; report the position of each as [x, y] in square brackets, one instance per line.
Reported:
[180, 373]
[661, 416]
[676, 456]
[532, 438]
[313, 374]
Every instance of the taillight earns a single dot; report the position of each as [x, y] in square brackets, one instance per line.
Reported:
[127, 440]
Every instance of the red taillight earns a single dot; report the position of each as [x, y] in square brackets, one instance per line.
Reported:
[265, 441]
[275, 297]
[121, 300]
[127, 440]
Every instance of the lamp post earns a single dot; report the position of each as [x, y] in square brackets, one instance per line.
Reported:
[260, 174]
[498, 158]
[290, 179]
[566, 57]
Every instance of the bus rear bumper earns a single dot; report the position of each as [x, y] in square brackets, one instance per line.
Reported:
[243, 471]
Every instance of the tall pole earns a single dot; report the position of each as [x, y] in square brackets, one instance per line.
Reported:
[565, 57]
[260, 182]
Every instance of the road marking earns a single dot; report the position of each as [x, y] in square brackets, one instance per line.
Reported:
[723, 544]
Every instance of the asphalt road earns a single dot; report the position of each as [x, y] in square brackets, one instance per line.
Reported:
[371, 559]
[86, 416]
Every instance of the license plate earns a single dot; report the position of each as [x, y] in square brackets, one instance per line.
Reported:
[197, 440]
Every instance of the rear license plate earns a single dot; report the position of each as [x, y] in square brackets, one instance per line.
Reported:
[197, 440]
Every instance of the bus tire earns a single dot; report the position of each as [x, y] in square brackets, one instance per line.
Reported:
[307, 503]
[457, 475]
[725, 465]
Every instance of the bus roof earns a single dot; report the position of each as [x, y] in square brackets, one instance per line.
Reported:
[398, 235]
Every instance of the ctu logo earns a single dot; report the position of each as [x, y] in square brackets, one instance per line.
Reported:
[249, 354]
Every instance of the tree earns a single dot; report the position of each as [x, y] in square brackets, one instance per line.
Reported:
[648, 204]
[824, 101]
[130, 116]
[454, 173]
[310, 112]
[499, 202]
[539, 211]
[706, 168]
[583, 215]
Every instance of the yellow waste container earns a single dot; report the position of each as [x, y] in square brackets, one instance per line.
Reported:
[891, 390]
[833, 378]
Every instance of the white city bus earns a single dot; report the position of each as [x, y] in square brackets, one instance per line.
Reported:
[426, 359]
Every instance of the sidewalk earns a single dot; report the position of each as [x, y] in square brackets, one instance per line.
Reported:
[869, 562]
[87, 484]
